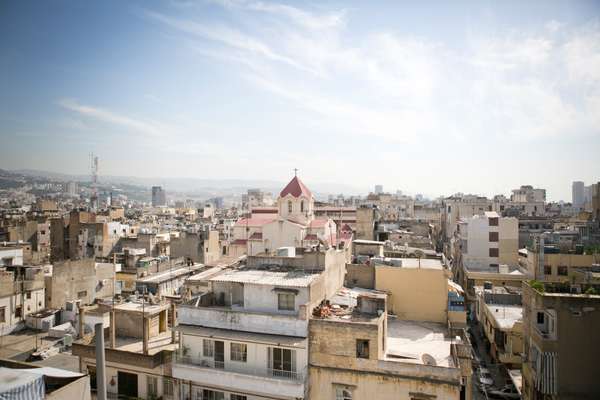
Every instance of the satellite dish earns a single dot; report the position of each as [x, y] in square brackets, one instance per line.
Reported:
[428, 360]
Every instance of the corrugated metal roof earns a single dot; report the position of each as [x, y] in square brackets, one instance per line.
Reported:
[273, 278]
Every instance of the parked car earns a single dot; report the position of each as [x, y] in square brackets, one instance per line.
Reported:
[485, 377]
[507, 392]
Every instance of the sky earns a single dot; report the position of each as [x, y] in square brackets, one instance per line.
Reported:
[424, 97]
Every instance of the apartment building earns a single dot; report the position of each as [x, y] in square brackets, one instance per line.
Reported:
[459, 207]
[21, 294]
[138, 351]
[561, 348]
[500, 315]
[358, 351]
[84, 280]
[247, 336]
[487, 239]
[551, 259]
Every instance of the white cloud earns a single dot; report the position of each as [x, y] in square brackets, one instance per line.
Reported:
[111, 117]
[515, 85]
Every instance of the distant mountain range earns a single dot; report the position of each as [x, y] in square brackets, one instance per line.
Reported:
[196, 185]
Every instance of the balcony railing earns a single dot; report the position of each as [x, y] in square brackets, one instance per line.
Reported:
[240, 368]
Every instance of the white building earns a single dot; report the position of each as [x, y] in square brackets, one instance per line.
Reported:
[11, 255]
[488, 239]
[22, 292]
[247, 338]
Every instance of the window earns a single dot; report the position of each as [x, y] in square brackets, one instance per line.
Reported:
[494, 252]
[18, 311]
[289, 207]
[493, 236]
[362, 348]
[239, 352]
[152, 386]
[167, 387]
[493, 221]
[208, 348]
[547, 270]
[212, 395]
[282, 362]
[286, 301]
[540, 318]
[302, 206]
[562, 270]
[343, 393]
[2, 314]
[28, 295]
[237, 397]
[81, 294]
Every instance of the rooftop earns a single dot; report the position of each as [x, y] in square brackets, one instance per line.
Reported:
[505, 315]
[296, 188]
[411, 341]
[425, 263]
[262, 277]
[171, 274]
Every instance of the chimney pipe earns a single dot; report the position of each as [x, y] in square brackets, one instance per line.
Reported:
[113, 329]
[145, 334]
[173, 323]
[100, 362]
[81, 318]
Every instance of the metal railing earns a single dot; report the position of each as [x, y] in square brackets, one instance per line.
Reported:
[240, 368]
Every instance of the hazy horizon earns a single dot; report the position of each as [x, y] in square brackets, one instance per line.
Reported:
[438, 98]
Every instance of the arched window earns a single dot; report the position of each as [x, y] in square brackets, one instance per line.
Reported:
[302, 206]
[290, 207]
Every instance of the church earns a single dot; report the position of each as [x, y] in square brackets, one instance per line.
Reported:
[294, 225]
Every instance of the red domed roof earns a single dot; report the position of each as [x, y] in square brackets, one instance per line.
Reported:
[296, 188]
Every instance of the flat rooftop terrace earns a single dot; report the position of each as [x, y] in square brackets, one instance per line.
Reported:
[506, 315]
[409, 341]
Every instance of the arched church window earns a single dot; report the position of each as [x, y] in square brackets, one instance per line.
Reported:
[289, 207]
[302, 206]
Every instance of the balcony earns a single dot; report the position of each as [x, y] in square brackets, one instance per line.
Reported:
[232, 376]
[242, 320]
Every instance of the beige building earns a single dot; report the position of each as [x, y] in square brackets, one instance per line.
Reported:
[137, 353]
[559, 265]
[561, 347]
[500, 315]
[358, 352]
[417, 289]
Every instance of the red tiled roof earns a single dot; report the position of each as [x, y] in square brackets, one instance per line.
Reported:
[256, 236]
[346, 228]
[318, 223]
[264, 210]
[253, 221]
[311, 236]
[296, 188]
[239, 242]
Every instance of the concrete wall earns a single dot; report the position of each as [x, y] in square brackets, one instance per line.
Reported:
[360, 275]
[364, 223]
[418, 294]
[80, 279]
[277, 324]
[333, 363]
